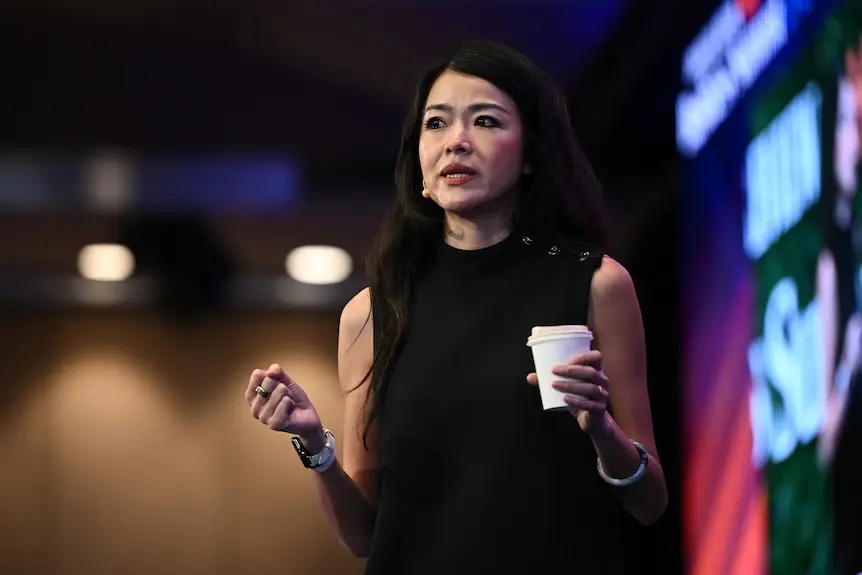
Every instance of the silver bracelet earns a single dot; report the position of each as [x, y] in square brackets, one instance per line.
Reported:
[325, 463]
[639, 472]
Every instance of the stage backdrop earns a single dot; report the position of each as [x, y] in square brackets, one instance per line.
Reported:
[768, 130]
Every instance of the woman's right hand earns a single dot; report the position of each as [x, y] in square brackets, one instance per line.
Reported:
[287, 408]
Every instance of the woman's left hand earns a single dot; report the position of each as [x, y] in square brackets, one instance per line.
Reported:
[588, 396]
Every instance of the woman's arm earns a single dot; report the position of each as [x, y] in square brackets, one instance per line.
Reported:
[615, 319]
[827, 296]
[347, 490]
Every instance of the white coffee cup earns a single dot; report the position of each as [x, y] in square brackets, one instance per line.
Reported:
[553, 346]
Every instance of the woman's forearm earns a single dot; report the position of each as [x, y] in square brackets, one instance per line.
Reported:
[646, 499]
[347, 508]
[828, 302]
[350, 512]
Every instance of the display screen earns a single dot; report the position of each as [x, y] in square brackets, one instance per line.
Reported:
[768, 129]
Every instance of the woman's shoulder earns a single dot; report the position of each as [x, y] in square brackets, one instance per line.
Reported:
[611, 279]
[569, 253]
[581, 250]
[356, 312]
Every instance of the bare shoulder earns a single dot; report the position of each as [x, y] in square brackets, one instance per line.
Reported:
[614, 312]
[355, 356]
[611, 282]
[355, 338]
[357, 312]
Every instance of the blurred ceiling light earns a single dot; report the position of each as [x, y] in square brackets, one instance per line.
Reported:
[106, 262]
[319, 265]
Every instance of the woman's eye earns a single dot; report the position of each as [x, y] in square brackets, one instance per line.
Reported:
[487, 122]
[433, 124]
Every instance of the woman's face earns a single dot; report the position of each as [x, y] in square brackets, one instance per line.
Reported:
[847, 145]
[471, 144]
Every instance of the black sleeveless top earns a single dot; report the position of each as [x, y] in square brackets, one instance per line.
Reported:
[474, 477]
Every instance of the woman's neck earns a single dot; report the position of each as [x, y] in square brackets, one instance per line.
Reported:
[475, 233]
[482, 227]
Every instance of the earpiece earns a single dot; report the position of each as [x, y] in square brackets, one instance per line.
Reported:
[426, 193]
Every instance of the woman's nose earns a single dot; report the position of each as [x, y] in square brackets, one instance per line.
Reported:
[460, 143]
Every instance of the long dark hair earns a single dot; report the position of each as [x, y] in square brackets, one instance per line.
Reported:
[559, 201]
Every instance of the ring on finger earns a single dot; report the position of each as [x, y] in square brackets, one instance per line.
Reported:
[261, 392]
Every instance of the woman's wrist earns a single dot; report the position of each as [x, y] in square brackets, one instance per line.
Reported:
[603, 428]
[619, 458]
[314, 441]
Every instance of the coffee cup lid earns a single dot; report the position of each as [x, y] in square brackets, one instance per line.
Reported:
[539, 331]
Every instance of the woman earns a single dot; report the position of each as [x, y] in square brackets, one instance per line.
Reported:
[839, 260]
[450, 464]
[839, 290]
